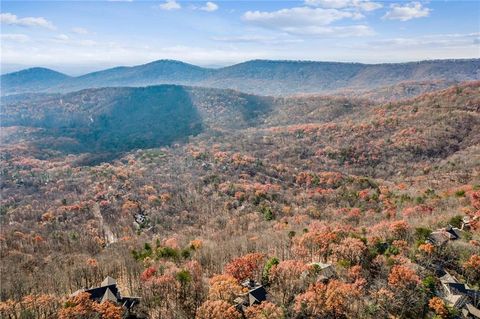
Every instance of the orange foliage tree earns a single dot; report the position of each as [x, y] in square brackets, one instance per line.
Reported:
[245, 267]
[408, 298]
[438, 306]
[335, 299]
[315, 244]
[287, 279]
[265, 310]
[165, 286]
[402, 277]
[350, 249]
[472, 268]
[82, 307]
[224, 287]
[217, 309]
[38, 306]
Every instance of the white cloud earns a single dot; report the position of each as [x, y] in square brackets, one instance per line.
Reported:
[309, 21]
[407, 12]
[170, 5]
[11, 19]
[257, 39]
[243, 38]
[364, 5]
[451, 40]
[79, 30]
[62, 37]
[333, 31]
[16, 37]
[209, 7]
[300, 16]
[87, 43]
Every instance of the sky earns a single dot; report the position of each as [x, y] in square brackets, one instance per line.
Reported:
[77, 37]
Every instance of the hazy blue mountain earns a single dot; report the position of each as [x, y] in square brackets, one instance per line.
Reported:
[290, 77]
[262, 77]
[154, 73]
[31, 80]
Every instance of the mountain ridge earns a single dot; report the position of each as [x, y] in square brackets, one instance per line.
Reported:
[248, 61]
[263, 77]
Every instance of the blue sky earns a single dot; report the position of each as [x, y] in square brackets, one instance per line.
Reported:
[81, 36]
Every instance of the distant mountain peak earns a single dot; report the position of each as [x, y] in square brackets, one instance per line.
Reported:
[36, 70]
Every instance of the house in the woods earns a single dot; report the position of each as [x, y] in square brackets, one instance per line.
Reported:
[460, 296]
[324, 271]
[141, 221]
[140, 218]
[108, 291]
[444, 235]
[256, 294]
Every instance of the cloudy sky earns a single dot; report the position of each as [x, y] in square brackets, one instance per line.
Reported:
[80, 36]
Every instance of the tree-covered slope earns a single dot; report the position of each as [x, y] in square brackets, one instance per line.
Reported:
[120, 119]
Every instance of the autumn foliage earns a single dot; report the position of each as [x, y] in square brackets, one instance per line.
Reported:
[328, 202]
[217, 309]
[224, 287]
[245, 267]
[265, 310]
[438, 306]
[81, 306]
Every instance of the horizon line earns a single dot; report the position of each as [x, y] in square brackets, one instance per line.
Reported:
[238, 63]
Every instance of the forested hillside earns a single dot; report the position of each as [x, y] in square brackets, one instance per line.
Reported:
[332, 203]
[122, 119]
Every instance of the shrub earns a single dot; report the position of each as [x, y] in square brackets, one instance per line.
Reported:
[167, 252]
[460, 193]
[456, 221]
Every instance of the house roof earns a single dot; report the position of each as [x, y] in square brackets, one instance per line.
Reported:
[473, 310]
[475, 295]
[257, 295]
[458, 288]
[75, 293]
[97, 293]
[250, 284]
[108, 281]
[438, 237]
[109, 296]
[447, 278]
[108, 290]
[453, 232]
[321, 265]
[239, 300]
[458, 294]
[456, 300]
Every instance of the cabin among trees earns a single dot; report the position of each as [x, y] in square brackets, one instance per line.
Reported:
[444, 235]
[324, 271]
[256, 295]
[109, 291]
[460, 296]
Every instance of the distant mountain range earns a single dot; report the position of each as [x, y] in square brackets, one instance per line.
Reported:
[264, 77]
